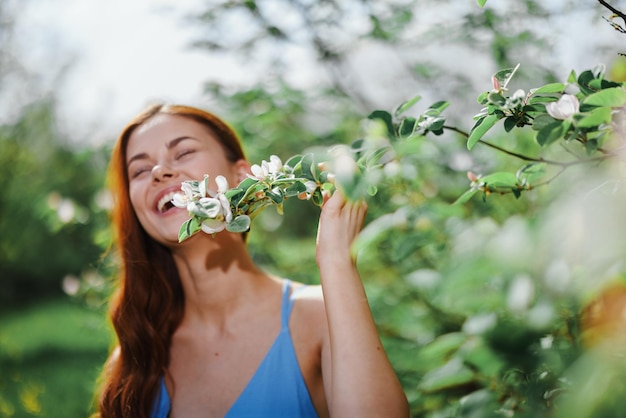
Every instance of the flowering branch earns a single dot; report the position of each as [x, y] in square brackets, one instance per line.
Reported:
[233, 209]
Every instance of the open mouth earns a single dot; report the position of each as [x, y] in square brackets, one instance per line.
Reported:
[165, 203]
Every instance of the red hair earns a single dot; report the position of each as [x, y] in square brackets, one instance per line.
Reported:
[148, 304]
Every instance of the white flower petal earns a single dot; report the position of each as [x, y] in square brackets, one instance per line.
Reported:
[265, 166]
[206, 207]
[310, 186]
[257, 172]
[180, 200]
[553, 110]
[222, 184]
[569, 104]
[225, 208]
[187, 188]
[519, 94]
[212, 226]
[203, 186]
[564, 108]
[275, 164]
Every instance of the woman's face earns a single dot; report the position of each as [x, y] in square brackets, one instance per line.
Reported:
[160, 155]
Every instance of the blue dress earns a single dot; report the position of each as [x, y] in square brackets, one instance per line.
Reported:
[277, 388]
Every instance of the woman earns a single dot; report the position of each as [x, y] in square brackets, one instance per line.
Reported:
[202, 331]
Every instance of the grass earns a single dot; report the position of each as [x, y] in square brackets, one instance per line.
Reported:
[50, 357]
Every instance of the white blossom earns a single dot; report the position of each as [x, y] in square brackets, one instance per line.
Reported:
[564, 108]
[213, 226]
[275, 164]
[267, 170]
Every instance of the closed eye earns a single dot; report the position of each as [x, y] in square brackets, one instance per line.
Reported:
[183, 153]
[139, 171]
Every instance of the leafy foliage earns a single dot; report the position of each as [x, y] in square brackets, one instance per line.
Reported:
[233, 209]
[49, 216]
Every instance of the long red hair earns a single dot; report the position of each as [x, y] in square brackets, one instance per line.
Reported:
[148, 304]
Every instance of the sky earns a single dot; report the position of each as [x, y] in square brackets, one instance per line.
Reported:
[119, 55]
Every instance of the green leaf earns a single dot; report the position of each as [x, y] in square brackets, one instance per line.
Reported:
[591, 146]
[596, 117]
[480, 128]
[613, 97]
[500, 179]
[531, 172]
[246, 183]
[584, 79]
[437, 124]
[386, 118]
[550, 133]
[510, 123]
[533, 108]
[481, 3]
[407, 126]
[453, 374]
[440, 106]
[276, 196]
[188, 228]
[542, 121]
[504, 76]
[324, 176]
[317, 198]
[549, 88]
[406, 105]
[293, 161]
[240, 224]
[541, 99]
[441, 348]
[482, 357]
[571, 78]
[306, 165]
[295, 189]
[496, 98]
[466, 196]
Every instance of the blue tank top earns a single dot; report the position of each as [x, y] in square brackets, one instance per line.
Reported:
[277, 388]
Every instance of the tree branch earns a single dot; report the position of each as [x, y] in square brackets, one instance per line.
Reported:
[532, 159]
[613, 9]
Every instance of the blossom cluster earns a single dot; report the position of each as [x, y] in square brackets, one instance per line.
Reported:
[212, 207]
[233, 209]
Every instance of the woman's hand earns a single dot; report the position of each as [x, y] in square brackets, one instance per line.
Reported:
[340, 223]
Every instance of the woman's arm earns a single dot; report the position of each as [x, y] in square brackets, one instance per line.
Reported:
[358, 378]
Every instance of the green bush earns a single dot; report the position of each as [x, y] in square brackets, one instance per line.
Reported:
[50, 357]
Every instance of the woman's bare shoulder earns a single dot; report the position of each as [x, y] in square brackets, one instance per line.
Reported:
[308, 294]
[308, 305]
[308, 323]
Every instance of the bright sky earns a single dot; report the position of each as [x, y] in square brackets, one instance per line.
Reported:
[121, 54]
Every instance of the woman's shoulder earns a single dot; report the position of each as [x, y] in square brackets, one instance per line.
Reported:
[307, 294]
[308, 306]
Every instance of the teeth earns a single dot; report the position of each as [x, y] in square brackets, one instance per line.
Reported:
[165, 199]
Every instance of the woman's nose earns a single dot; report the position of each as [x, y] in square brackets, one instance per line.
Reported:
[161, 172]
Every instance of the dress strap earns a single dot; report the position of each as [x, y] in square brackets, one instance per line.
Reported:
[287, 303]
[288, 299]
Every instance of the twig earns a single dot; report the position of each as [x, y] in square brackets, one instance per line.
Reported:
[532, 159]
[613, 9]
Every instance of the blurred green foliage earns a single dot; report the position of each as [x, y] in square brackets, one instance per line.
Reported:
[50, 217]
[478, 303]
[50, 356]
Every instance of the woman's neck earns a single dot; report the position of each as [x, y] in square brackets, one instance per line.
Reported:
[218, 277]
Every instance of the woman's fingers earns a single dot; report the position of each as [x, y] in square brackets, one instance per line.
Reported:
[340, 223]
